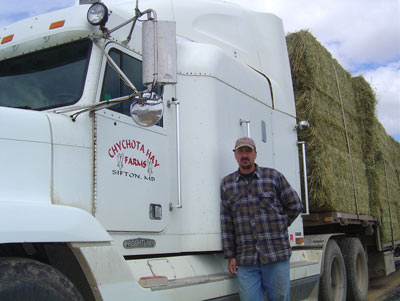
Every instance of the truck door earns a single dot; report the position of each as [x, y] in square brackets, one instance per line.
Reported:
[130, 161]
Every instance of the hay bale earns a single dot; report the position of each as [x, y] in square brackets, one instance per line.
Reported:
[349, 154]
[337, 173]
[366, 102]
[381, 152]
[387, 164]
[393, 175]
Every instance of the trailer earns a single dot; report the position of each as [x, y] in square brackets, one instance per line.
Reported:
[115, 124]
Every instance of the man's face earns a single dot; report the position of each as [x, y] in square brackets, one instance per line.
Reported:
[245, 157]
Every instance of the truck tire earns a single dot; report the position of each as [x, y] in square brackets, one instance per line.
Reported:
[29, 280]
[355, 261]
[333, 279]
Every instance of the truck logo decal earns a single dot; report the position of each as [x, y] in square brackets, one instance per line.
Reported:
[139, 243]
[149, 167]
[135, 145]
[133, 153]
[120, 158]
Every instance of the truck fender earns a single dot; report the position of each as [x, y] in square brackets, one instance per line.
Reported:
[320, 240]
[25, 222]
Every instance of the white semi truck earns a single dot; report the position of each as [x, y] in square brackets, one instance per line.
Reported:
[117, 123]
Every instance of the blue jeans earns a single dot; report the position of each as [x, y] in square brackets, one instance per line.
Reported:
[272, 279]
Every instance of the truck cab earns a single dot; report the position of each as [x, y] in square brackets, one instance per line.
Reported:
[111, 168]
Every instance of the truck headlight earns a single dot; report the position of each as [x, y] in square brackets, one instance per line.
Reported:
[97, 14]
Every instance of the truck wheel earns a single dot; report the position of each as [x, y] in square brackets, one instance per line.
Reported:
[333, 279]
[26, 279]
[356, 264]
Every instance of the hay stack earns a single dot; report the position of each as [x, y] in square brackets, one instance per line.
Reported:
[352, 163]
[387, 164]
[325, 97]
[366, 102]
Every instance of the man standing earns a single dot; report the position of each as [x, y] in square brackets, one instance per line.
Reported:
[257, 207]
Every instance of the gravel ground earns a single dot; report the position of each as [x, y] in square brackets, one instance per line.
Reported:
[385, 288]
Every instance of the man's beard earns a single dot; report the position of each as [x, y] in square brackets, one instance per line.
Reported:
[245, 166]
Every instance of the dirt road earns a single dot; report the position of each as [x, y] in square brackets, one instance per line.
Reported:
[385, 288]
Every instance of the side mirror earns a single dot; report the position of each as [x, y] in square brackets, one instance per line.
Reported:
[302, 125]
[159, 52]
[147, 110]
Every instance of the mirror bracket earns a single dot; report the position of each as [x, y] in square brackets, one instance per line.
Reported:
[172, 101]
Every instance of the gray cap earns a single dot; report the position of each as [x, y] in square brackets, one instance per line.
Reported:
[245, 141]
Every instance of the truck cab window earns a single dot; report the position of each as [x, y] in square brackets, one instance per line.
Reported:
[45, 79]
[114, 86]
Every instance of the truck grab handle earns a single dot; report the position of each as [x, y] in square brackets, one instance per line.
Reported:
[175, 102]
[303, 150]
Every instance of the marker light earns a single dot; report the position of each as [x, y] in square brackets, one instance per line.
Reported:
[97, 14]
[7, 39]
[57, 24]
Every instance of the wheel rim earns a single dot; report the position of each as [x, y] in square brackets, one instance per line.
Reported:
[360, 272]
[337, 281]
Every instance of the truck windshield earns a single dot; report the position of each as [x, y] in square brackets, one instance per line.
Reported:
[45, 79]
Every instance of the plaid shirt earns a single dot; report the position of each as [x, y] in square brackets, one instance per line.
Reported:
[255, 216]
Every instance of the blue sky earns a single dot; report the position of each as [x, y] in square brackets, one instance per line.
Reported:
[363, 35]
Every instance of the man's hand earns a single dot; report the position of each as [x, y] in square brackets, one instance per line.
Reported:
[232, 266]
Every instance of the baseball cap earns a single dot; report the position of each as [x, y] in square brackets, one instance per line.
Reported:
[245, 141]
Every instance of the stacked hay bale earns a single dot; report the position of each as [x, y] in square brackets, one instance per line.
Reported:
[387, 164]
[366, 102]
[325, 98]
[353, 165]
